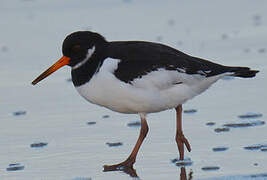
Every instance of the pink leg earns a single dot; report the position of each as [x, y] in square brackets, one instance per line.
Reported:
[180, 139]
[128, 163]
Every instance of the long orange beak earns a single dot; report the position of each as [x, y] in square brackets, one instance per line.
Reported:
[64, 60]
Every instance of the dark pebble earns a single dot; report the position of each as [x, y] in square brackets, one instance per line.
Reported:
[185, 162]
[255, 164]
[14, 164]
[15, 167]
[189, 111]
[224, 36]
[4, 48]
[134, 124]
[19, 113]
[38, 145]
[210, 123]
[114, 144]
[218, 130]
[210, 168]
[218, 149]
[91, 123]
[247, 124]
[253, 147]
[105, 116]
[250, 115]
[262, 50]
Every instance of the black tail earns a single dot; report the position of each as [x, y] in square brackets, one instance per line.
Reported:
[243, 72]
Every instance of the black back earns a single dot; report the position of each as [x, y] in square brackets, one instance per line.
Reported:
[139, 58]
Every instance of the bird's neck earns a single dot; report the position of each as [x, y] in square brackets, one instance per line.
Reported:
[84, 73]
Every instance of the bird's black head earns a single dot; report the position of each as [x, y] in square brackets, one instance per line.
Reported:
[78, 48]
[81, 45]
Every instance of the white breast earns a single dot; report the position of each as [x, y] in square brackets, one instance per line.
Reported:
[156, 91]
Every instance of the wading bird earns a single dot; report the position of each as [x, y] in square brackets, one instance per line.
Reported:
[138, 77]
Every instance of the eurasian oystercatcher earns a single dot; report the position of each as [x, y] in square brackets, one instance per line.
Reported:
[138, 77]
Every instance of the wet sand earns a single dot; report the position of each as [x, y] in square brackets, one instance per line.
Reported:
[50, 132]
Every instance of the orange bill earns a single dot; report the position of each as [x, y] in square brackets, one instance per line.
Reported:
[61, 62]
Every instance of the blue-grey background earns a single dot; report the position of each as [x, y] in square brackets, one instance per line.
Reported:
[31, 34]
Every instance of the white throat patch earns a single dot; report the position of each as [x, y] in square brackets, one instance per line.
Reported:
[88, 56]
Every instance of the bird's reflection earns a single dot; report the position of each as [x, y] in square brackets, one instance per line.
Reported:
[183, 175]
[132, 173]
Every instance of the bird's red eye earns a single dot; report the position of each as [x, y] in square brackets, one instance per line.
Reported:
[76, 48]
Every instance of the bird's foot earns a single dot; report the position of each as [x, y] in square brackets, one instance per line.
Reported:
[127, 164]
[181, 141]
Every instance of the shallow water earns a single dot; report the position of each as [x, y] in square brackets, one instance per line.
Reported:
[52, 112]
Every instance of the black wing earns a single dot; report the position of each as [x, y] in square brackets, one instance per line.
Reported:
[139, 58]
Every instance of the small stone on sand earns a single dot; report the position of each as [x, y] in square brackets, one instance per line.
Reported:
[190, 111]
[262, 50]
[245, 124]
[91, 123]
[19, 113]
[180, 163]
[210, 123]
[15, 167]
[219, 149]
[250, 115]
[218, 130]
[4, 48]
[253, 147]
[105, 116]
[114, 144]
[134, 124]
[210, 168]
[38, 145]
[224, 36]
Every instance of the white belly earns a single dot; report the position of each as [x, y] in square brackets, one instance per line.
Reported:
[154, 92]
